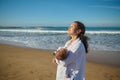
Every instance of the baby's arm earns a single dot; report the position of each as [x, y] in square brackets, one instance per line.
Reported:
[53, 60]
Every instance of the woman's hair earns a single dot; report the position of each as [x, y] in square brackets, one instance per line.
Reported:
[82, 37]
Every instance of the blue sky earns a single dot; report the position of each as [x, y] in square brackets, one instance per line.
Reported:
[59, 12]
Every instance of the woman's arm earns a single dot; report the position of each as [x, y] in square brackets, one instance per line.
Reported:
[73, 54]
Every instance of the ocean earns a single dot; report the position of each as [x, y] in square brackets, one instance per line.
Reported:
[41, 37]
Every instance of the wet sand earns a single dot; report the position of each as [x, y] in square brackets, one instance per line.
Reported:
[17, 63]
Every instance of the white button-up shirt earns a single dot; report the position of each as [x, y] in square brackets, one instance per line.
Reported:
[74, 64]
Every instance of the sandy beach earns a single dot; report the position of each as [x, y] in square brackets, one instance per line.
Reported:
[17, 63]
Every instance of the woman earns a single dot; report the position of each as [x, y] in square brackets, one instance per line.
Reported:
[75, 62]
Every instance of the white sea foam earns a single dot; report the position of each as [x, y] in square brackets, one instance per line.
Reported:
[35, 31]
[56, 31]
[103, 32]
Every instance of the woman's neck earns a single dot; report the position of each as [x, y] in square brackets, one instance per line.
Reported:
[73, 38]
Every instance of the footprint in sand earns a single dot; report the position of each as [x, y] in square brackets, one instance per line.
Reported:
[111, 76]
[118, 76]
[31, 72]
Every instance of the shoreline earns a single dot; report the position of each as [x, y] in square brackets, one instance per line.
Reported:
[105, 57]
[20, 63]
[54, 49]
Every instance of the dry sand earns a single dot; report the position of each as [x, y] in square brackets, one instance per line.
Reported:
[18, 63]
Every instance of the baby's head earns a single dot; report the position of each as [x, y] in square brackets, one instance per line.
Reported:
[61, 54]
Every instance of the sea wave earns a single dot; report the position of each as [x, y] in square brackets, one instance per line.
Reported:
[52, 39]
[56, 31]
[103, 32]
[35, 31]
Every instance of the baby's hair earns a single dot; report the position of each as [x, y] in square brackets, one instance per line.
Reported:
[61, 54]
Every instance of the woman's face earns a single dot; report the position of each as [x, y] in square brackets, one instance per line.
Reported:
[72, 29]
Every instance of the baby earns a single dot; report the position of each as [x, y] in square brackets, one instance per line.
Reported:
[61, 54]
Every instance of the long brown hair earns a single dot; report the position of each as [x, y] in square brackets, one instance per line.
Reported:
[82, 37]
